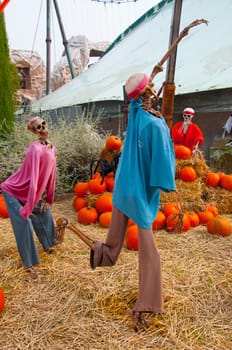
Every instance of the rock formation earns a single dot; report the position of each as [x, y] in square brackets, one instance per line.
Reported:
[80, 50]
[32, 73]
[32, 70]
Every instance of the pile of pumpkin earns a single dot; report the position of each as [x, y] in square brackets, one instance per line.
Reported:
[198, 184]
[93, 199]
[188, 173]
[174, 220]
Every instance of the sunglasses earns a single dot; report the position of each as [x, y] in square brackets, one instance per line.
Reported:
[41, 126]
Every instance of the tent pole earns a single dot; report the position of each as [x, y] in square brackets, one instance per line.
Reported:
[48, 47]
[65, 41]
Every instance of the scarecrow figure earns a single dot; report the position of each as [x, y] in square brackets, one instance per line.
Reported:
[29, 192]
[186, 132]
[146, 167]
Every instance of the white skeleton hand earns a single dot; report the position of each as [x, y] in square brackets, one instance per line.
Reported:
[44, 206]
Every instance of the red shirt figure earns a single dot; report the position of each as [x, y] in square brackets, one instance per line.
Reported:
[187, 133]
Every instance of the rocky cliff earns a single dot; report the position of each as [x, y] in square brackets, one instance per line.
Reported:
[32, 70]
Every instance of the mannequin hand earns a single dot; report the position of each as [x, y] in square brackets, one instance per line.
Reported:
[44, 206]
[195, 151]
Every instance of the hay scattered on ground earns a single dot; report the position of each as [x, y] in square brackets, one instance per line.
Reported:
[72, 307]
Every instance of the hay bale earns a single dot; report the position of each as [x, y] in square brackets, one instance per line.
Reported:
[197, 162]
[189, 194]
[218, 196]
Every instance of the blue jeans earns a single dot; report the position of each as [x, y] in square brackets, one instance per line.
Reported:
[40, 222]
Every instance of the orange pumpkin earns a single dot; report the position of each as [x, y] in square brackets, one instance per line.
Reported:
[212, 179]
[226, 182]
[132, 237]
[212, 208]
[3, 209]
[182, 152]
[79, 203]
[170, 208]
[97, 175]
[113, 143]
[87, 216]
[81, 189]
[188, 174]
[221, 174]
[96, 186]
[2, 299]
[205, 216]
[219, 225]
[159, 221]
[105, 218]
[130, 222]
[104, 202]
[177, 223]
[109, 183]
[193, 218]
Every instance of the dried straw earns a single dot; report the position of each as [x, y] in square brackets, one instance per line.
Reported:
[72, 307]
[190, 193]
[218, 196]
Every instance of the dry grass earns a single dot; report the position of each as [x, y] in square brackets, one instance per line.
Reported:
[72, 307]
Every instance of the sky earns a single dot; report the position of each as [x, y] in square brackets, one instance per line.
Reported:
[26, 22]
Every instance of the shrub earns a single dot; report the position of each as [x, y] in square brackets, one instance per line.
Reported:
[78, 142]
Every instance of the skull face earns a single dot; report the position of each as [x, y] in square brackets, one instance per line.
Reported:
[187, 118]
[38, 126]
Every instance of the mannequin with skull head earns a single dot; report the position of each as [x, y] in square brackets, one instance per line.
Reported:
[28, 193]
[186, 132]
[146, 166]
[39, 127]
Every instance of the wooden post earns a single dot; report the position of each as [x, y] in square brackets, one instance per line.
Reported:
[167, 107]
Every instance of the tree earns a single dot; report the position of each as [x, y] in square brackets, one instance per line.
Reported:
[9, 83]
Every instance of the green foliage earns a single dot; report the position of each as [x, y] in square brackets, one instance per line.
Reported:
[9, 83]
[15, 81]
[77, 142]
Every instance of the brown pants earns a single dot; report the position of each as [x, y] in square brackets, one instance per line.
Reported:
[106, 254]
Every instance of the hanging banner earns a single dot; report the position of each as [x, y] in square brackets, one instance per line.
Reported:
[3, 5]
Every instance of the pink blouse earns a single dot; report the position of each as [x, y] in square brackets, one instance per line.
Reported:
[36, 175]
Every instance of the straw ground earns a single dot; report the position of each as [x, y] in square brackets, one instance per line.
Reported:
[72, 307]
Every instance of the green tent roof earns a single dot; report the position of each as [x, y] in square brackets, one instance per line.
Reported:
[203, 63]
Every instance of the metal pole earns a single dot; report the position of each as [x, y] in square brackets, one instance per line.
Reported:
[48, 47]
[65, 42]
